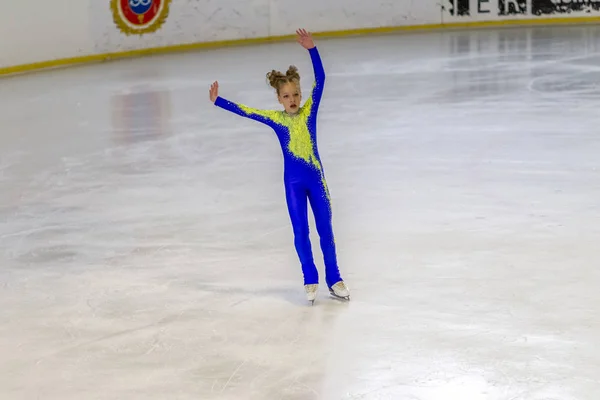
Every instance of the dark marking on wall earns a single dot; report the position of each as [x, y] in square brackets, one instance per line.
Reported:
[541, 7]
[512, 7]
[483, 6]
[459, 8]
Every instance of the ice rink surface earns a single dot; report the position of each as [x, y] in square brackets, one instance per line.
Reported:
[146, 250]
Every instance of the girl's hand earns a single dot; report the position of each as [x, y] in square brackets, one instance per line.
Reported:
[214, 91]
[305, 39]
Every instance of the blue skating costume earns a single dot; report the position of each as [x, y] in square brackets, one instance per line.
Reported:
[304, 176]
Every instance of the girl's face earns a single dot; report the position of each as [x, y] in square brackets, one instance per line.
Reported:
[290, 97]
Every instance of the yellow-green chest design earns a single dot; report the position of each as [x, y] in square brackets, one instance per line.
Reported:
[300, 143]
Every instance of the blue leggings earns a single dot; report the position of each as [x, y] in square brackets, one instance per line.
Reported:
[297, 193]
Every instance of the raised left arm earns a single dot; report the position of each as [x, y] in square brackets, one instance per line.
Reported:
[319, 71]
[305, 39]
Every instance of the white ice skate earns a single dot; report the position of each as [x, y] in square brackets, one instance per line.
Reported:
[340, 290]
[311, 292]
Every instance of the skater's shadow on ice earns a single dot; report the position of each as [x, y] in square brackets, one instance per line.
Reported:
[236, 295]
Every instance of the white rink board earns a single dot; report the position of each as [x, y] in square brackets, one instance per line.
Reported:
[63, 29]
[50, 33]
[235, 19]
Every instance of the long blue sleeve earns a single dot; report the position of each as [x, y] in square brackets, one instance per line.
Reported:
[264, 116]
[319, 72]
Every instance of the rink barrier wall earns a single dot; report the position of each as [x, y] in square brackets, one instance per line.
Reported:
[177, 48]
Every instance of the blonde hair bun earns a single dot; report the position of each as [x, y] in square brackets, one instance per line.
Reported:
[277, 79]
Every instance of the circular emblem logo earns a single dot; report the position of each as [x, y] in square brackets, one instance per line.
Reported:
[136, 17]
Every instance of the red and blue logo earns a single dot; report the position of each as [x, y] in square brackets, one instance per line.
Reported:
[136, 17]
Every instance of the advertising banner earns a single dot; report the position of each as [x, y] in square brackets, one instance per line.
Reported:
[500, 8]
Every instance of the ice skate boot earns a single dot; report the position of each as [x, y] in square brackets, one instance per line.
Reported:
[340, 290]
[311, 292]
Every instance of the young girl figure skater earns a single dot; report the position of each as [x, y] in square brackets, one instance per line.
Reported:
[304, 179]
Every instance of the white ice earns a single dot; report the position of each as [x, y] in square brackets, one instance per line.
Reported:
[146, 250]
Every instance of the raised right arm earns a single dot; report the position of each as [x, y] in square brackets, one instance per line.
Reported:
[264, 116]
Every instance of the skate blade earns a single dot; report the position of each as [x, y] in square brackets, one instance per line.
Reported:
[335, 296]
